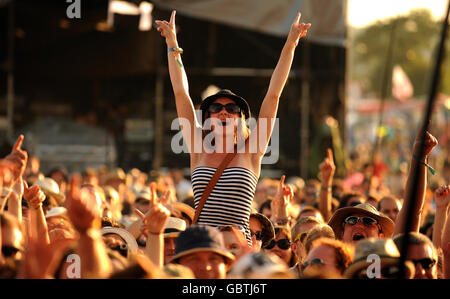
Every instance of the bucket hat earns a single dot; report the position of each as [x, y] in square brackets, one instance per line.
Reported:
[198, 238]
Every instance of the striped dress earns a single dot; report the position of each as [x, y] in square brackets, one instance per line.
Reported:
[231, 199]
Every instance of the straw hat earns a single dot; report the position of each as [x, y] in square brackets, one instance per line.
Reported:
[184, 208]
[174, 227]
[56, 211]
[387, 225]
[260, 265]
[124, 234]
[385, 249]
[50, 188]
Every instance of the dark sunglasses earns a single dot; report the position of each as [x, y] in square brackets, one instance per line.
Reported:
[367, 221]
[316, 261]
[426, 263]
[230, 108]
[283, 244]
[258, 235]
[9, 251]
[122, 249]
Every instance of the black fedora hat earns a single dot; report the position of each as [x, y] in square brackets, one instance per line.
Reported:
[197, 238]
[226, 93]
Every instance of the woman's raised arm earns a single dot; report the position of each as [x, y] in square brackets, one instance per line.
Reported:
[279, 77]
[185, 108]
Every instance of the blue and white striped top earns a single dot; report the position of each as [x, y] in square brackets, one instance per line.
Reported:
[230, 200]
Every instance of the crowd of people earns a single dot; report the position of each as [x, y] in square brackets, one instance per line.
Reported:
[224, 220]
[136, 224]
[108, 223]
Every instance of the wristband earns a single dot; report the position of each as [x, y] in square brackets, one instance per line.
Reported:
[433, 172]
[176, 50]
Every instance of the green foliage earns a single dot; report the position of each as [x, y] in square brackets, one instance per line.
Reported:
[416, 39]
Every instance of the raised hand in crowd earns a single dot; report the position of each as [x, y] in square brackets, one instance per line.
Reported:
[420, 189]
[42, 259]
[37, 224]
[281, 203]
[155, 221]
[442, 198]
[14, 164]
[444, 195]
[327, 169]
[18, 157]
[85, 214]
[297, 30]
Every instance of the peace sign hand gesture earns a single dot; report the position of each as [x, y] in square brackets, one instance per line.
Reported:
[298, 30]
[158, 215]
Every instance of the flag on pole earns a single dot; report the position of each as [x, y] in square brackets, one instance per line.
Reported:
[402, 88]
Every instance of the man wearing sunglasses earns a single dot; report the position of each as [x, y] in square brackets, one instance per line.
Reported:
[351, 224]
[421, 253]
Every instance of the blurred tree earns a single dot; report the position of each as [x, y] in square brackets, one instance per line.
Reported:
[415, 43]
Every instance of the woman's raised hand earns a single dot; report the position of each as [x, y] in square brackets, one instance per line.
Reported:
[298, 30]
[168, 30]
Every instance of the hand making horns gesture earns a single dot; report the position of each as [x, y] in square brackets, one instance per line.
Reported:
[298, 30]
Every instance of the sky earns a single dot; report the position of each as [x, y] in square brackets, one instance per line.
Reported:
[364, 12]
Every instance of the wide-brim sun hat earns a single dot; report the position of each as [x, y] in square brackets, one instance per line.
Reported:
[384, 249]
[124, 234]
[260, 265]
[56, 212]
[200, 238]
[336, 221]
[50, 188]
[174, 227]
[184, 208]
[226, 93]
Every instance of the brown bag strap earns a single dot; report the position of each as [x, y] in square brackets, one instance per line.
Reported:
[212, 183]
